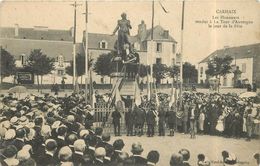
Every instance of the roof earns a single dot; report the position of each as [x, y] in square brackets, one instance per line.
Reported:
[37, 33]
[158, 34]
[95, 38]
[240, 52]
[53, 49]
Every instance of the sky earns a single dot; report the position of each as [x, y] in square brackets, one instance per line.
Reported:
[198, 40]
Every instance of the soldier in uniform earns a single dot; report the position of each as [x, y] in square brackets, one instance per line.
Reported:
[162, 116]
[129, 120]
[171, 119]
[150, 120]
[116, 121]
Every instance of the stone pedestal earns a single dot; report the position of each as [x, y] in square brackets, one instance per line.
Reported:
[117, 72]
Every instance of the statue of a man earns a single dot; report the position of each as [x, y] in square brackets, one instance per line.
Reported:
[122, 27]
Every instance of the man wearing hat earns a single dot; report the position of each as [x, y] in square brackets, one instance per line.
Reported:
[118, 145]
[78, 155]
[153, 158]
[10, 156]
[100, 154]
[116, 121]
[150, 120]
[136, 158]
[19, 140]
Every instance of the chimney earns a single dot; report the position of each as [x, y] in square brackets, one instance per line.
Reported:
[16, 30]
[142, 31]
[166, 34]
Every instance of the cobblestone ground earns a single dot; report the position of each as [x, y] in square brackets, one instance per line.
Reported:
[211, 146]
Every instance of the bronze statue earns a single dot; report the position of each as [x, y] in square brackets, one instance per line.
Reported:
[123, 27]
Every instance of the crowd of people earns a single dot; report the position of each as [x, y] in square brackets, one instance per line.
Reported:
[213, 114]
[54, 130]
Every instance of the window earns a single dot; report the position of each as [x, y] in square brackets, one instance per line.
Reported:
[201, 82]
[225, 81]
[159, 47]
[158, 60]
[201, 70]
[41, 38]
[243, 67]
[103, 44]
[173, 61]
[22, 58]
[174, 48]
[60, 72]
[60, 61]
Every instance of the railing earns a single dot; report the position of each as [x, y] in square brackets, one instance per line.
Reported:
[103, 119]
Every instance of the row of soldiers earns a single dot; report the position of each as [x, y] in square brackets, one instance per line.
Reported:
[136, 117]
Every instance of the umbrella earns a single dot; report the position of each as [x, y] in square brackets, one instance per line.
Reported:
[18, 89]
[248, 95]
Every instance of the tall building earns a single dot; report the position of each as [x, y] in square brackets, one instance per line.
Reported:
[246, 59]
[59, 45]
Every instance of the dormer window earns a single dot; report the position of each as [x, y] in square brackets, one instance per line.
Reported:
[103, 44]
[41, 38]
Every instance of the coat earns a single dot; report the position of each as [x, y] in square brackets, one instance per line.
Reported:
[116, 117]
[150, 118]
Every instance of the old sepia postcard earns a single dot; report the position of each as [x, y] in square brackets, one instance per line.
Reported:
[130, 82]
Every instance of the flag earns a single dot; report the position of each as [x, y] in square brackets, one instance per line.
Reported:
[157, 99]
[172, 99]
[93, 100]
[118, 96]
[148, 89]
[163, 8]
[138, 99]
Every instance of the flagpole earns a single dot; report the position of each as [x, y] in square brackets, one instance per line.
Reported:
[74, 46]
[152, 50]
[86, 52]
[181, 57]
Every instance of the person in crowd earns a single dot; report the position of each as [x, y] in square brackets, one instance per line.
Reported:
[118, 145]
[249, 123]
[201, 121]
[162, 116]
[19, 141]
[129, 122]
[139, 120]
[202, 160]
[257, 158]
[116, 121]
[186, 156]
[50, 155]
[229, 158]
[176, 160]
[185, 116]
[136, 158]
[171, 119]
[65, 156]
[25, 158]
[153, 158]
[150, 121]
[10, 153]
[100, 154]
[193, 120]
[79, 150]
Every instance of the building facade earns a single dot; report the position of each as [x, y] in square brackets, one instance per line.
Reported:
[58, 44]
[246, 60]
